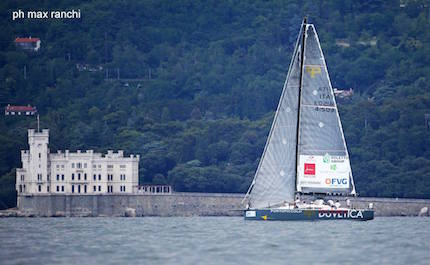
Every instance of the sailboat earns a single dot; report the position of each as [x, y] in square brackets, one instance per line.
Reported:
[305, 159]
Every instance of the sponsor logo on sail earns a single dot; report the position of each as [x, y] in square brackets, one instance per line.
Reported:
[310, 159]
[310, 182]
[326, 158]
[338, 159]
[333, 167]
[336, 181]
[313, 70]
[309, 169]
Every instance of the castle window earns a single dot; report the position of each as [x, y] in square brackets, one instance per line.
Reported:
[47, 188]
[95, 177]
[20, 188]
[85, 165]
[85, 188]
[79, 188]
[100, 188]
[47, 177]
[62, 166]
[85, 176]
[94, 188]
[62, 177]
[39, 188]
[73, 165]
[40, 155]
[73, 176]
[78, 165]
[73, 188]
[58, 177]
[94, 166]
[58, 188]
[62, 188]
[79, 176]
[58, 166]
[100, 177]
[22, 177]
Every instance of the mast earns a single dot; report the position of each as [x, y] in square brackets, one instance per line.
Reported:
[302, 57]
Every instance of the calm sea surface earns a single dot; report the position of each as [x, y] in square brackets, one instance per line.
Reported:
[212, 240]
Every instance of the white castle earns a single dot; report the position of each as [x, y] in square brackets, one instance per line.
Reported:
[77, 173]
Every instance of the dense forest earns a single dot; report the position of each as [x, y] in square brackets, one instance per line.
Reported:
[192, 86]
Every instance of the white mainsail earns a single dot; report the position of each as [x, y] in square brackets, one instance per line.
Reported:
[322, 162]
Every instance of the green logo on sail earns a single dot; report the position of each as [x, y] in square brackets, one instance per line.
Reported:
[333, 167]
[326, 158]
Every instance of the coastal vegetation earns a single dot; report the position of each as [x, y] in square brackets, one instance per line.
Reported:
[192, 86]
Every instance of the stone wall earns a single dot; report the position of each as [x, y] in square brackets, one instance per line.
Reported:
[393, 206]
[180, 204]
[176, 204]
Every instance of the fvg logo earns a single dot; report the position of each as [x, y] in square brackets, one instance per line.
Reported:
[336, 181]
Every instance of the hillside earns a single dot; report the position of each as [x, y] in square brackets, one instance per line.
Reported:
[192, 86]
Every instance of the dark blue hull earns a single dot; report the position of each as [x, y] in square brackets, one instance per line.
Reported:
[308, 214]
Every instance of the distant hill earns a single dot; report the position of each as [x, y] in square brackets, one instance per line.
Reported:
[192, 86]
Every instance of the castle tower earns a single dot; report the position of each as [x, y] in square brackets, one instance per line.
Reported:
[38, 167]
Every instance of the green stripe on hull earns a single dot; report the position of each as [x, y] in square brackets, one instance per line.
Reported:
[303, 214]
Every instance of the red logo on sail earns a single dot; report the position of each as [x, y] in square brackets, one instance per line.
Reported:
[309, 169]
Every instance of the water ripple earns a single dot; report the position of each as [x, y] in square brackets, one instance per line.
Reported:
[212, 240]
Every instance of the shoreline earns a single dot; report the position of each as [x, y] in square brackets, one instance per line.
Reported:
[180, 204]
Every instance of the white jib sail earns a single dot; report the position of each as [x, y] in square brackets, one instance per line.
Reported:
[275, 178]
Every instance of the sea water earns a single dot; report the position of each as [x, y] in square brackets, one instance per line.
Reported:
[213, 240]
